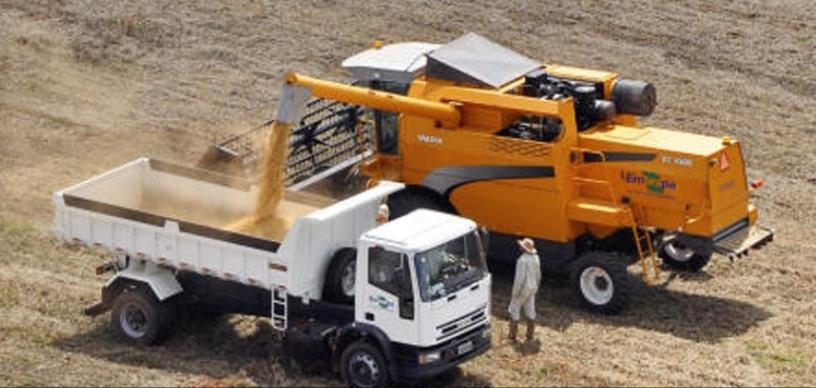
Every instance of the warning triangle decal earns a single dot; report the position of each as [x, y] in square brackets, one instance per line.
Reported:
[724, 162]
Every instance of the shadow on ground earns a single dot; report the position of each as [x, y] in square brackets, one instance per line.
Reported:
[222, 348]
[699, 318]
[217, 348]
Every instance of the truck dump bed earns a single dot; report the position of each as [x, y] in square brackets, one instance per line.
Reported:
[178, 216]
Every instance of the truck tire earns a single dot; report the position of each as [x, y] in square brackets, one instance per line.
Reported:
[680, 258]
[412, 198]
[138, 317]
[363, 365]
[601, 282]
[339, 286]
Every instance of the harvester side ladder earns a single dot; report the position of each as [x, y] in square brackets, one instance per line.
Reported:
[279, 308]
[646, 257]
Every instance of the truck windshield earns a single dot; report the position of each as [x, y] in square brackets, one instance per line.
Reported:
[449, 267]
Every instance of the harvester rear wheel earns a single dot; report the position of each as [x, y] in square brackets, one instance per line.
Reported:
[679, 257]
[601, 282]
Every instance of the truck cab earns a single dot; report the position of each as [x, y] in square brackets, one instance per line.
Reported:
[422, 283]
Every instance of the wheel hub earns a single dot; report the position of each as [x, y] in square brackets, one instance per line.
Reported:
[601, 283]
[364, 370]
[347, 281]
[133, 320]
[596, 285]
[679, 252]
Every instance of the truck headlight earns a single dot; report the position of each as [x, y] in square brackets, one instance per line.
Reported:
[487, 332]
[429, 357]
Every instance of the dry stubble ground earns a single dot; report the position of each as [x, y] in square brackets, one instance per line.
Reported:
[87, 85]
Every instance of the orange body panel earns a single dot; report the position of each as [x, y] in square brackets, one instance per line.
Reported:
[610, 176]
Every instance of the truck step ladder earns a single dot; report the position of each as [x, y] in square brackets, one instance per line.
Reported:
[279, 308]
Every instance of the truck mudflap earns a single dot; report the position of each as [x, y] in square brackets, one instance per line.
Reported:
[737, 243]
[449, 354]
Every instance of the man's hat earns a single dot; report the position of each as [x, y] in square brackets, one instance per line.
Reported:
[527, 245]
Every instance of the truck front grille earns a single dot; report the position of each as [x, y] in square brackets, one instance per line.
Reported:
[458, 325]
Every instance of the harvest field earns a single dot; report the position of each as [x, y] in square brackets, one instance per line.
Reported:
[88, 85]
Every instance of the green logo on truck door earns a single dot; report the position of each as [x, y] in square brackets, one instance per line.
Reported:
[380, 302]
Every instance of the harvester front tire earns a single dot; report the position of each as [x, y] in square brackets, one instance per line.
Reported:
[139, 318]
[601, 283]
[340, 280]
[412, 198]
[680, 258]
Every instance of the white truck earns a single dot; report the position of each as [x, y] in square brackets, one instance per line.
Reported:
[404, 300]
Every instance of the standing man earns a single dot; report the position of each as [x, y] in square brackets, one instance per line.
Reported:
[525, 287]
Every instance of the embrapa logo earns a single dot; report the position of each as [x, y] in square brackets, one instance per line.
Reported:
[651, 180]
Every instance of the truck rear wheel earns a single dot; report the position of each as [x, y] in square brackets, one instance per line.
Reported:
[138, 317]
[601, 282]
[363, 365]
[339, 286]
[682, 258]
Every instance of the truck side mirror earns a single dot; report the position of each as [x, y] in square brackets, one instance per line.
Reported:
[402, 276]
[402, 280]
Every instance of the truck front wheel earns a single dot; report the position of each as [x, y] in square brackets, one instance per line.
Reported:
[339, 286]
[601, 282]
[363, 365]
[138, 317]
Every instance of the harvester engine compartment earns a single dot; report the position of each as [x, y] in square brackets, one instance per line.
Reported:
[535, 128]
[628, 96]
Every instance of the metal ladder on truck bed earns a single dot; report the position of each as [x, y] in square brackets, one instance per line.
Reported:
[279, 308]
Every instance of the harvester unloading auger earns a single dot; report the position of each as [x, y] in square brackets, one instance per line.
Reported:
[550, 152]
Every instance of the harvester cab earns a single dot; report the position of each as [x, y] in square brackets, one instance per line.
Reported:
[551, 152]
[389, 68]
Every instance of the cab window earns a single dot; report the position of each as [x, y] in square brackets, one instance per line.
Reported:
[387, 272]
[386, 123]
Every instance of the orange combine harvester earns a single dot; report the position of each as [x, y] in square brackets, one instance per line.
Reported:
[550, 152]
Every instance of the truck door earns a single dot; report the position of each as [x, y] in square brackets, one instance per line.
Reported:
[386, 123]
[386, 298]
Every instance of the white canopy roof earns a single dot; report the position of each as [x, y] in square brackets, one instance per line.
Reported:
[397, 62]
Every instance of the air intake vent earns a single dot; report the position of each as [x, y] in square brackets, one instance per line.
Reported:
[516, 147]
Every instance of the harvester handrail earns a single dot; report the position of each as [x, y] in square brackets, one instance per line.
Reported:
[606, 183]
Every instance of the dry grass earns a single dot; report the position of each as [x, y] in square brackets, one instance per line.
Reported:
[87, 85]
